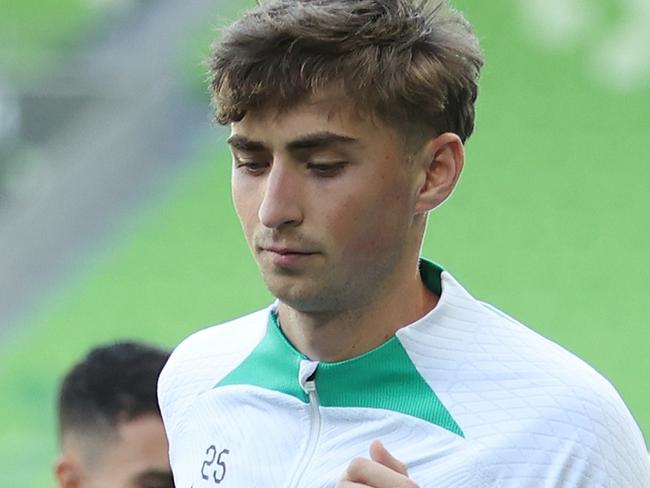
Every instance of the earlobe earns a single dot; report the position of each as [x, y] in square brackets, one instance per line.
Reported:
[442, 158]
[67, 472]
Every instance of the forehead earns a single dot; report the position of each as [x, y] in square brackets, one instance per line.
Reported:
[140, 448]
[325, 112]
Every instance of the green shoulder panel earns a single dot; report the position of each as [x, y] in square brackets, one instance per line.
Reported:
[384, 378]
[274, 365]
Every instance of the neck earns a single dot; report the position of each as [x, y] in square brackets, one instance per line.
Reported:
[338, 336]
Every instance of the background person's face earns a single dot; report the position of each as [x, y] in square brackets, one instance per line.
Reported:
[137, 458]
[326, 200]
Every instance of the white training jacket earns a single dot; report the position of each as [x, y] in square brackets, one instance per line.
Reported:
[465, 397]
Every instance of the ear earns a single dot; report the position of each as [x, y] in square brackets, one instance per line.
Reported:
[67, 471]
[442, 160]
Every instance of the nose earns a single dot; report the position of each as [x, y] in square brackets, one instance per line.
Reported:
[281, 203]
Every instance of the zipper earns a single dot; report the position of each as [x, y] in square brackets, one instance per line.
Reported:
[314, 433]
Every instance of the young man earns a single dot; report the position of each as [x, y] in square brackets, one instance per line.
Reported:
[348, 119]
[109, 422]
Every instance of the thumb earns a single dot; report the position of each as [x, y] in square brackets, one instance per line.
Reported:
[380, 454]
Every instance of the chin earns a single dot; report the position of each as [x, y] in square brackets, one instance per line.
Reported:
[295, 299]
[294, 296]
[311, 300]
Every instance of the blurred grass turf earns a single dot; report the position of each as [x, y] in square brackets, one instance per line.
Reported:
[32, 33]
[181, 268]
[548, 224]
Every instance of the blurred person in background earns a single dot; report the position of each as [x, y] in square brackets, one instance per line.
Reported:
[348, 122]
[111, 433]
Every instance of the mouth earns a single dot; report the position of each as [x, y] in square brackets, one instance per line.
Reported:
[287, 256]
[284, 251]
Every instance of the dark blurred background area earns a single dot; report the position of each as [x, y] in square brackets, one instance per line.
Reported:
[97, 110]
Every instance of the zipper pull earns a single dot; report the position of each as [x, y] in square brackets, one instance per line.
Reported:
[307, 375]
[310, 385]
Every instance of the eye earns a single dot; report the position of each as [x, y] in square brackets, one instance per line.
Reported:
[251, 167]
[327, 169]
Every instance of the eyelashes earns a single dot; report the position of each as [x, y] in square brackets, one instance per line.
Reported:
[320, 169]
[327, 169]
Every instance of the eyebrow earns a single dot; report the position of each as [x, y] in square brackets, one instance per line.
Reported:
[315, 140]
[154, 476]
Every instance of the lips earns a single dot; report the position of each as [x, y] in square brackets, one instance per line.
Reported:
[283, 251]
[287, 256]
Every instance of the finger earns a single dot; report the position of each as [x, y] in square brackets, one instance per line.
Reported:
[380, 454]
[372, 474]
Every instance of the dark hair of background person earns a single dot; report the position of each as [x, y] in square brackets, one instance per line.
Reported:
[112, 384]
[413, 63]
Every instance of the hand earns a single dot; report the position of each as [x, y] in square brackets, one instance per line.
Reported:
[382, 470]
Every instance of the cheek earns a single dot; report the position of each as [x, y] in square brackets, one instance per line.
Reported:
[244, 205]
[366, 227]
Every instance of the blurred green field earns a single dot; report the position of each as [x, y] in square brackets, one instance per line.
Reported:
[32, 33]
[549, 224]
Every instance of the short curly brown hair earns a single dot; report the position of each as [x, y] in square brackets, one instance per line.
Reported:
[415, 64]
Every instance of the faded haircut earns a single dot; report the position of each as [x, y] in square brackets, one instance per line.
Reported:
[413, 63]
[113, 383]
